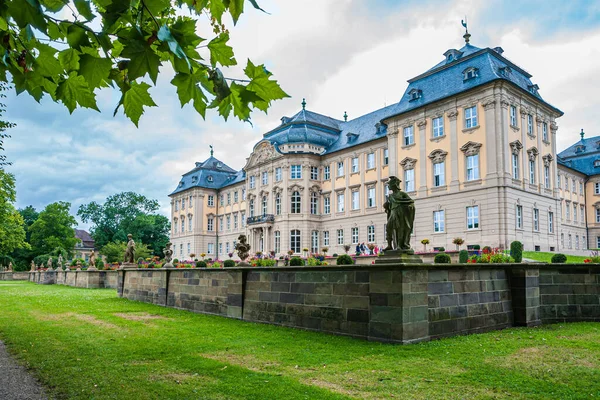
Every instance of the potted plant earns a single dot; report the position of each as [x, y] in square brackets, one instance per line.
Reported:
[371, 247]
[305, 251]
[202, 255]
[325, 250]
[458, 242]
[290, 252]
[347, 248]
[425, 242]
[192, 255]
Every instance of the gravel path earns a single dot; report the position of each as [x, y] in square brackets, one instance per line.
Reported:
[15, 382]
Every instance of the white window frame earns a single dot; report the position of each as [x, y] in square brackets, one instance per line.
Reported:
[295, 203]
[325, 238]
[210, 248]
[519, 217]
[408, 135]
[437, 127]
[314, 241]
[278, 174]
[550, 222]
[210, 221]
[341, 202]
[355, 165]
[472, 162]
[265, 178]
[340, 237]
[532, 172]
[354, 235]
[295, 241]
[545, 131]
[470, 117]
[370, 160]
[547, 177]
[515, 166]
[327, 205]
[439, 221]
[386, 156]
[314, 173]
[536, 220]
[277, 236]
[370, 233]
[513, 116]
[439, 174]
[211, 200]
[252, 182]
[473, 218]
[326, 172]
[409, 180]
[278, 204]
[371, 197]
[296, 171]
[355, 200]
[340, 169]
[314, 204]
[530, 124]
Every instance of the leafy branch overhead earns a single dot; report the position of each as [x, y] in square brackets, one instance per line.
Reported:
[69, 49]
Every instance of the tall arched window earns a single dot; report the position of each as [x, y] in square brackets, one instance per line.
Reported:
[182, 224]
[278, 204]
[295, 240]
[252, 208]
[264, 205]
[314, 204]
[189, 222]
[174, 225]
[296, 202]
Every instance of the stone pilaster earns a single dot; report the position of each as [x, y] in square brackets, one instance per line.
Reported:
[454, 180]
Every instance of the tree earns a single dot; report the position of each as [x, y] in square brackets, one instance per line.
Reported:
[30, 215]
[12, 232]
[54, 228]
[127, 213]
[4, 125]
[121, 43]
[115, 251]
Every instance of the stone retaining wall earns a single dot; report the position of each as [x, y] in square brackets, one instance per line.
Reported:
[402, 303]
[82, 279]
[14, 276]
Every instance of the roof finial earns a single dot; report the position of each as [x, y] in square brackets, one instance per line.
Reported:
[467, 35]
[303, 103]
[211, 150]
[345, 116]
[582, 134]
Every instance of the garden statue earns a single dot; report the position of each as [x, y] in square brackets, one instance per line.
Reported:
[92, 263]
[168, 255]
[78, 265]
[60, 262]
[130, 252]
[243, 249]
[32, 266]
[49, 264]
[10, 267]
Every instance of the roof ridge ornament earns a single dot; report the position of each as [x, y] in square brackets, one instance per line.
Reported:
[303, 103]
[211, 149]
[345, 117]
[582, 134]
[467, 35]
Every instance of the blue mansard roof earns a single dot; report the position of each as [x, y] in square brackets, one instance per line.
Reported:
[582, 155]
[210, 174]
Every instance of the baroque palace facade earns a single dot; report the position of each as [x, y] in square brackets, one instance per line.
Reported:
[472, 140]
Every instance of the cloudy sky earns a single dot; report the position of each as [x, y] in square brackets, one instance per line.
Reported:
[341, 55]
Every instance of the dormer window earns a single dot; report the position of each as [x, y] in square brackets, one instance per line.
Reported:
[597, 163]
[351, 136]
[194, 179]
[533, 89]
[415, 94]
[504, 71]
[181, 183]
[380, 128]
[209, 178]
[470, 73]
[452, 55]
[579, 149]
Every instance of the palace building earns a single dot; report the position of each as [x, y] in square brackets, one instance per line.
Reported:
[472, 140]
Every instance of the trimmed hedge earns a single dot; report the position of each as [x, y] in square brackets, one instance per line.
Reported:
[559, 259]
[201, 264]
[441, 258]
[463, 256]
[296, 262]
[228, 264]
[516, 251]
[345, 259]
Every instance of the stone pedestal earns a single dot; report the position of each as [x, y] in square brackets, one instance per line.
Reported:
[399, 257]
[128, 266]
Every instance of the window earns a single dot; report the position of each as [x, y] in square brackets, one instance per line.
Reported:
[473, 167]
[295, 240]
[371, 234]
[182, 224]
[227, 248]
[532, 171]
[326, 173]
[371, 197]
[327, 205]
[252, 182]
[471, 117]
[211, 200]
[573, 186]
[355, 200]
[550, 222]
[181, 249]
[228, 198]
[314, 242]
[265, 178]
[546, 177]
[243, 194]
[597, 215]
[222, 200]
[530, 124]
[220, 248]
[355, 165]
[470, 73]
[558, 180]
[314, 204]
[354, 235]
[597, 188]
[438, 127]
[473, 217]
[264, 205]
[370, 160]
[386, 192]
[568, 211]
[296, 172]
[340, 236]
[570, 241]
[519, 221]
[251, 208]
[175, 226]
[409, 180]
[597, 241]
[577, 242]
[513, 116]
[340, 202]
[209, 224]
[235, 197]
[574, 212]
[221, 224]
[211, 248]
[243, 218]
[582, 214]
[189, 222]
[278, 204]
[340, 169]
[439, 177]
[277, 236]
[189, 248]
[515, 166]
[536, 219]
[409, 136]
[314, 173]
[235, 221]
[295, 202]
[325, 238]
[566, 183]
[183, 204]
[439, 221]
[544, 131]
[277, 174]
[580, 187]
[583, 243]
[386, 156]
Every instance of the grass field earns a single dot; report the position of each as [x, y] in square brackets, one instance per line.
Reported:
[90, 344]
[546, 257]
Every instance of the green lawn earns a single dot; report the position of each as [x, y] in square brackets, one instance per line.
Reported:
[546, 257]
[86, 344]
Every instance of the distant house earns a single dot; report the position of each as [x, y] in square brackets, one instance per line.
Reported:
[85, 246]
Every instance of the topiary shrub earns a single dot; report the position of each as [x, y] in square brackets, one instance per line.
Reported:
[442, 249]
[176, 261]
[463, 256]
[516, 251]
[476, 247]
[559, 259]
[99, 265]
[345, 259]
[441, 258]
[487, 249]
[201, 264]
[296, 262]
[228, 263]
[334, 255]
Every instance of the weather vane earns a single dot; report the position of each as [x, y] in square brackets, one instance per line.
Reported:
[211, 150]
[467, 35]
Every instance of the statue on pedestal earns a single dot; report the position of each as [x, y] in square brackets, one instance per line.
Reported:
[92, 263]
[78, 265]
[400, 210]
[130, 252]
[49, 264]
[168, 255]
[32, 266]
[60, 263]
[243, 249]
[10, 267]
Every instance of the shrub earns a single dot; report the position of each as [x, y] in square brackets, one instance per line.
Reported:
[557, 258]
[487, 249]
[229, 264]
[151, 265]
[296, 262]
[358, 253]
[458, 242]
[441, 258]
[216, 264]
[100, 264]
[463, 256]
[476, 247]
[516, 251]
[268, 262]
[176, 261]
[345, 259]
[140, 260]
[334, 255]
[201, 264]
[312, 261]
[442, 249]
